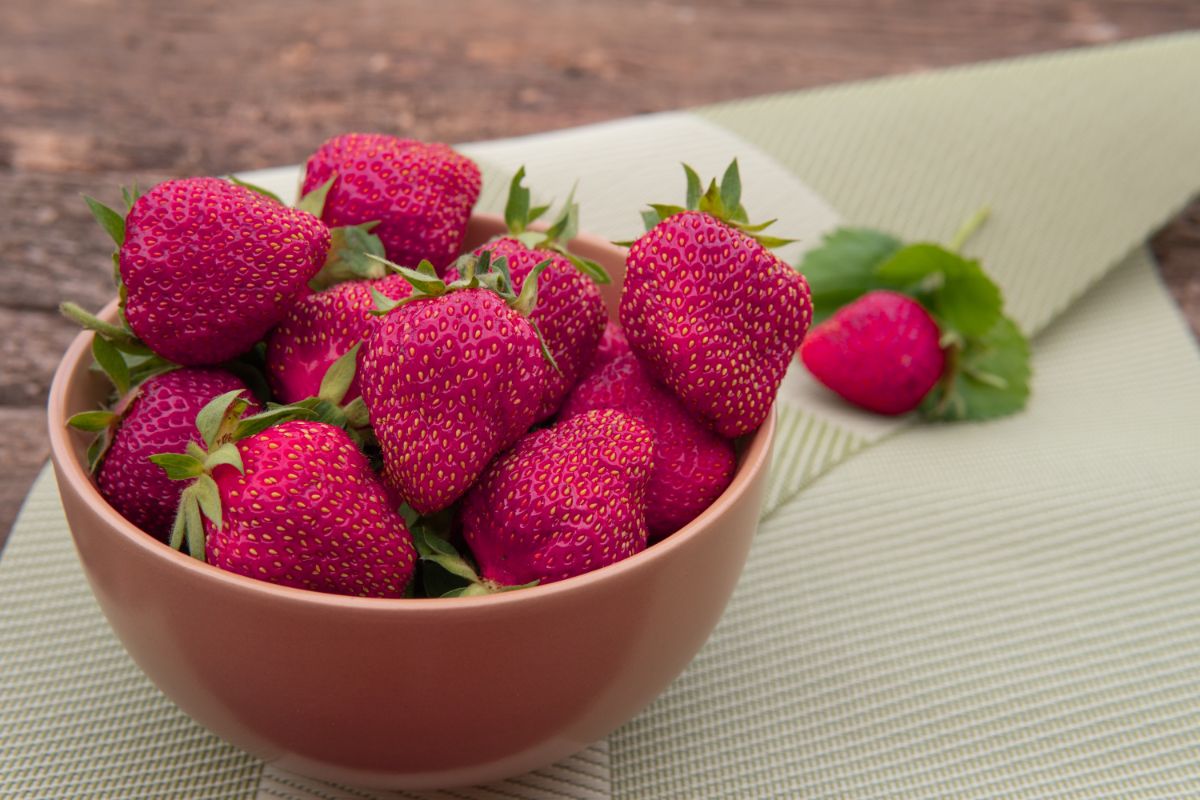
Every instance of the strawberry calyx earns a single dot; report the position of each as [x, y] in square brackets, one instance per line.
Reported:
[476, 272]
[326, 406]
[464, 579]
[519, 215]
[221, 424]
[722, 202]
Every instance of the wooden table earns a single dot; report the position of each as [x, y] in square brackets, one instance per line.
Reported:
[99, 93]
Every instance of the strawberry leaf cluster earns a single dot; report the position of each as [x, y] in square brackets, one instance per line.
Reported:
[987, 368]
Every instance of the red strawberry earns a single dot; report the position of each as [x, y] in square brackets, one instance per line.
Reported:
[711, 311]
[692, 465]
[159, 416]
[421, 193]
[612, 344]
[320, 328]
[569, 314]
[451, 376]
[209, 267]
[308, 512]
[564, 501]
[881, 352]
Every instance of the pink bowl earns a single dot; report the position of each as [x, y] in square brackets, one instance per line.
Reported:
[406, 693]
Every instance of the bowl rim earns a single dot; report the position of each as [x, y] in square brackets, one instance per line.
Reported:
[754, 459]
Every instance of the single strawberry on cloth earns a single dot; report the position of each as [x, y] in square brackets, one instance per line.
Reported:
[971, 610]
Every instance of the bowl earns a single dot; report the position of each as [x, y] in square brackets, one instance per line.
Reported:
[406, 693]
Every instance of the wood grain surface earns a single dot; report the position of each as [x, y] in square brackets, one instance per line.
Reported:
[96, 93]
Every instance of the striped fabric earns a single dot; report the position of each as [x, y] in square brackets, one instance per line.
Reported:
[961, 611]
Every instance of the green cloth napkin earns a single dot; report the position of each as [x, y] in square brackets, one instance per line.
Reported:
[971, 610]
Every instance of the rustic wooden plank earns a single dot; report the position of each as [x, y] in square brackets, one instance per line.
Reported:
[94, 93]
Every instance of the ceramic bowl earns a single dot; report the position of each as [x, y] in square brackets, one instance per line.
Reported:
[406, 693]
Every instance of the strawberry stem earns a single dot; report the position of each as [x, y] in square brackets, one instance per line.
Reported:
[968, 229]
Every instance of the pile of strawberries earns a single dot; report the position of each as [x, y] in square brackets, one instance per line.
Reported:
[333, 396]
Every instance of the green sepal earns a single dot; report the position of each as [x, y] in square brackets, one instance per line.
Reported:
[356, 413]
[218, 416]
[527, 299]
[545, 348]
[437, 550]
[694, 190]
[189, 525]
[314, 201]
[209, 497]
[111, 363]
[275, 415]
[566, 226]
[112, 221]
[267, 193]
[516, 208]
[130, 195]
[650, 219]
[179, 466]
[665, 211]
[537, 212]
[89, 321]
[339, 376]
[423, 279]
[588, 267]
[227, 453]
[731, 188]
[93, 421]
[353, 256]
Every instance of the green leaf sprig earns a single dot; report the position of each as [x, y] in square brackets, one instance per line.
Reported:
[987, 356]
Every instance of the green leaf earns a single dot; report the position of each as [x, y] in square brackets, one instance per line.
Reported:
[546, 354]
[843, 267]
[96, 451]
[955, 290]
[536, 212]
[527, 299]
[693, 188]
[112, 363]
[339, 376]
[92, 421]
[112, 222]
[771, 242]
[256, 189]
[179, 528]
[650, 219]
[314, 201]
[225, 454]
[440, 552]
[383, 303]
[212, 417]
[130, 195]
[566, 224]
[731, 188]
[426, 284]
[987, 378]
[516, 209]
[179, 466]
[666, 210]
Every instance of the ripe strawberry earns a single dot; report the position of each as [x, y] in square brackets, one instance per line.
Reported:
[451, 375]
[208, 267]
[612, 344]
[881, 352]
[289, 501]
[692, 465]
[422, 193]
[320, 328]
[563, 501]
[569, 314]
[158, 416]
[711, 311]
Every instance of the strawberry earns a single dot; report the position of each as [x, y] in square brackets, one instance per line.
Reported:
[882, 352]
[612, 344]
[420, 193]
[569, 315]
[692, 465]
[157, 416]
[292, 502]
[451, 375]
[563, 501]
[318, 330]
[711, 311]
[208, 267]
